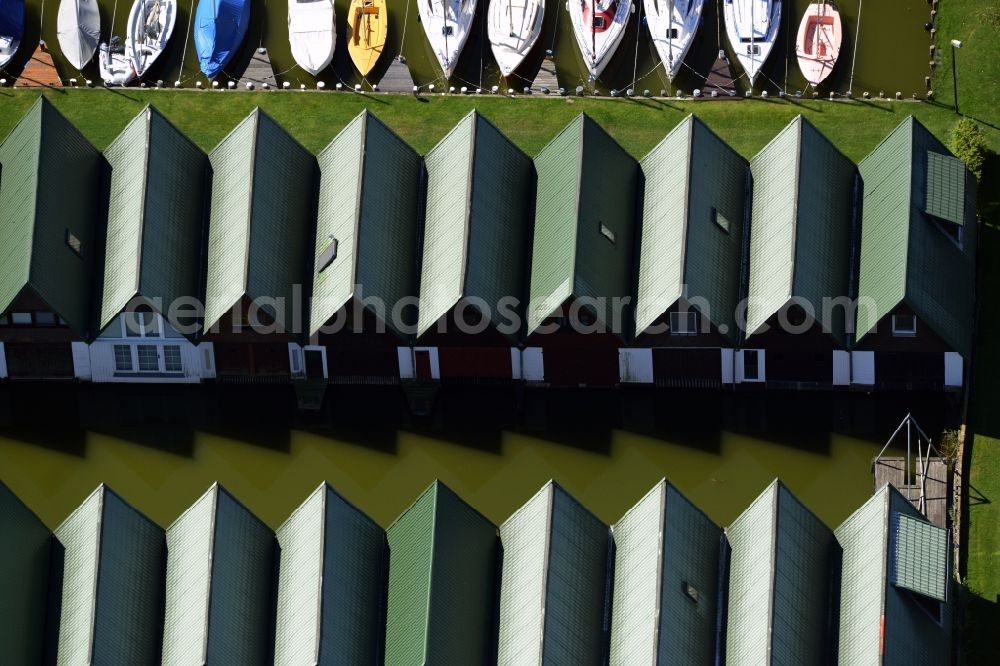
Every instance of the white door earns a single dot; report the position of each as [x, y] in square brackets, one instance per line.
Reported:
[533, 364]
[635, 366]
[841, 368]
[953, 369]
[863, 368]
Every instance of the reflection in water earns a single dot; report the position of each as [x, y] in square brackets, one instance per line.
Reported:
[161, 447]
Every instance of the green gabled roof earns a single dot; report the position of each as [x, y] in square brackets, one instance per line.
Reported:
[368, 198]
[800, 231]
[552, 584]
[879, 622]
[779, 574]
[111, 585]
[220, 563]
[155, 214]
[24, 581]
[48, 187]
[903, 250]
[329, 584]
[692, 179]
[664, 544]
[262, 189]
[585, 181]
[442, 561]
[476, 220]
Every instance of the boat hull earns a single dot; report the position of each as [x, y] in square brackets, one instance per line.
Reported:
[672, 27]
[818, 44]
[219, 28]
[312, 33]
[78, 30]
[11, 28]
[598, 26]
[447, 25]
[752, 28]
[367, 29]
[513, 27]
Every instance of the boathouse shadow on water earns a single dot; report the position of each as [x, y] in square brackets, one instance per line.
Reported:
[167, 418]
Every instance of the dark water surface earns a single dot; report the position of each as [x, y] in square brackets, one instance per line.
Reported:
[162, 447]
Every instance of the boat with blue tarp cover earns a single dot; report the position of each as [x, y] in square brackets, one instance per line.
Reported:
[219, 29]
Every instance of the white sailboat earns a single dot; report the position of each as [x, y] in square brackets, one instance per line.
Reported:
[78, 29]
[150, 25]
[312, 31]
[752, 27]
[599, 26]
[514, 27]
[672, 26]
[447, 24]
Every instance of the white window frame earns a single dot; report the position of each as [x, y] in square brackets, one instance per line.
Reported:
[898, 332]
[689, 316]
[161, 358]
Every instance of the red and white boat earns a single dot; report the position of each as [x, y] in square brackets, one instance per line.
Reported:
[599, 26]
[818, 43]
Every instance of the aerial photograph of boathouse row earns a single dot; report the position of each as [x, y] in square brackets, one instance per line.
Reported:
[503, 332]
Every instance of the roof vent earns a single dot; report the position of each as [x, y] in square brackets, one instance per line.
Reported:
[329, 254]
[74, 243]
[608, 233]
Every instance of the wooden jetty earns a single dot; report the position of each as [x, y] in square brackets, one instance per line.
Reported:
[936, 496]
[397, 77]
[720, 79]
[258, 72]
[40, 71]
[546, 77]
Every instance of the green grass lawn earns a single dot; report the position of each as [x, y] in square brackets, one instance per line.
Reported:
[315, 118]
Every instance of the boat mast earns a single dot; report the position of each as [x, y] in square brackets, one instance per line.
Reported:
[670, 37]
[444, 31]
[593, 30]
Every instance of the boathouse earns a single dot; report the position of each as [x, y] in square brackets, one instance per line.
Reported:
[149, 313]
[24, 580]
[220, 568]
[111, 558]
[553, 582]
[781, 581]
[916, 288]
[798, 313]
[666, 582]
[894, 588]
[694, 196]
[580, 311]
[255, 301]
[330, 602]
[477, 222]
[49, 177]
[364, 280]
[442, 571]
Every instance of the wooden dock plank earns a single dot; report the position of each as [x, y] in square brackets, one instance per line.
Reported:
[396, 78]
[936, 495]
[40, 71]
[258, 71]
[546, 77]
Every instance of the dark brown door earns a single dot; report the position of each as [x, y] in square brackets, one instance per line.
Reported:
[314, 364]
[422, 359]
[475, 362]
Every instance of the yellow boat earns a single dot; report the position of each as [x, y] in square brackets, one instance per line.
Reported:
[367, 26]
